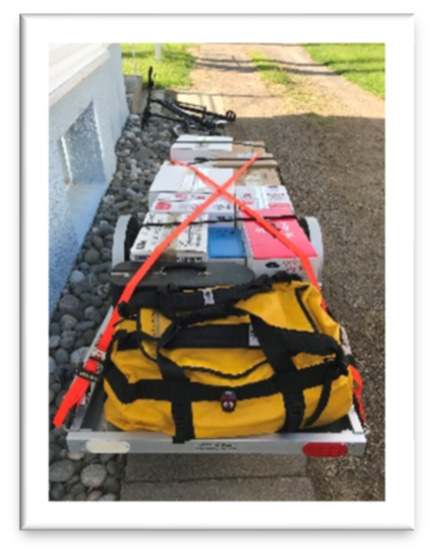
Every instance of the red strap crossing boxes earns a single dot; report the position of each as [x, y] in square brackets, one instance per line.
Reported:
[221, 211]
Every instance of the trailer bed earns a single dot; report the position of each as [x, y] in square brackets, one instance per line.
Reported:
[90, 432]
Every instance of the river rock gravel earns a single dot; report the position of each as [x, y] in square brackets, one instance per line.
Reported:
[84, 303]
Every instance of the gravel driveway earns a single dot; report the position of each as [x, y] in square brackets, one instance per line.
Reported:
[328, 137]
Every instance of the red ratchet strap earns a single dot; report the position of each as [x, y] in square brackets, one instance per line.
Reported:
[261, 221]
[92, 366]
[358, 391]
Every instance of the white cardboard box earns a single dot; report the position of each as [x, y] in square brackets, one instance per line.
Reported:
[188, 147]
[277, 200]
[172, 178]
[221, 209]
[191, 245]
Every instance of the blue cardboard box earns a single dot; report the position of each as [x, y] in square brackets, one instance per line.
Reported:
[225, 243]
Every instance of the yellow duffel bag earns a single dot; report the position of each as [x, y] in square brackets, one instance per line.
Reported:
[227, 361]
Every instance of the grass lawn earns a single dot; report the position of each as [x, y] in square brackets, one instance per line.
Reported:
[269, 70]
[300, 96]
[173, 70]
[364, 64]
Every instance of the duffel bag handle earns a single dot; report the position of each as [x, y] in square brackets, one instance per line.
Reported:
[184, 265]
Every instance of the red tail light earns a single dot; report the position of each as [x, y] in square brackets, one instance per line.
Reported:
[325, 449]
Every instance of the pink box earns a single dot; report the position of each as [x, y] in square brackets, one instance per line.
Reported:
[267, 255]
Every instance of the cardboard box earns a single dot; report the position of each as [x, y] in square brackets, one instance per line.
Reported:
[239, 154]
[191, 245]
[225, 244]
[220, 210]
[276, 201]
[219, 151]
[188, 147]
[259, 177]
[172, 178]
[267, 255]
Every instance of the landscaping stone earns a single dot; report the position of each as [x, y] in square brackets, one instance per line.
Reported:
[68, 322]
[77, 488]
[55, 387]
[93, 475]
[69, 304]
[90, 313]
[54, 342]
[105, 228]
[57, 491]
[88, 336]
[92, 256]
[94, 495]
[67, 339]
[61, 470]
[108, 497]
[111, 485]
[113, 468]
[84, 303]
[98, 242]
[78, 356]
[84, 326]
[105, 458]
[76, 277]
[61, 356]
[55, 328]
[51, 365]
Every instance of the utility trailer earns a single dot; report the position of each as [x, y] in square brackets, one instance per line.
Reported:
[90, 432]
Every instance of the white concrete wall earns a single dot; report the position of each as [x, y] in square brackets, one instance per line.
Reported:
[83, 79]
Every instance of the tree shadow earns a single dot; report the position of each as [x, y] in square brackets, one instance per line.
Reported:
[267, 64]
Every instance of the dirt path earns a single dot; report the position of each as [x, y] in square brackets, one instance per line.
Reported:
[328, 137]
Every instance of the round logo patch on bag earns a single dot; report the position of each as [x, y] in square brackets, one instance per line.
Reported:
[228, 401]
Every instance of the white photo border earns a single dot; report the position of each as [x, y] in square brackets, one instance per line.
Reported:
[397, 32]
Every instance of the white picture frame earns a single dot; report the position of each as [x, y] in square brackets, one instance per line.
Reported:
[397, 32]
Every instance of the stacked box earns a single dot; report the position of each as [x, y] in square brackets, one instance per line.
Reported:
[191, 244]
[225, 244]
[172, 178]
[276, 201]
[256, 176]
[219, 151]
[220, 210]
[176, 192]
[188, 147]
[267, 255]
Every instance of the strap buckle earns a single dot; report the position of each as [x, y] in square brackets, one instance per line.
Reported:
[97, 355]
[94, 377]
